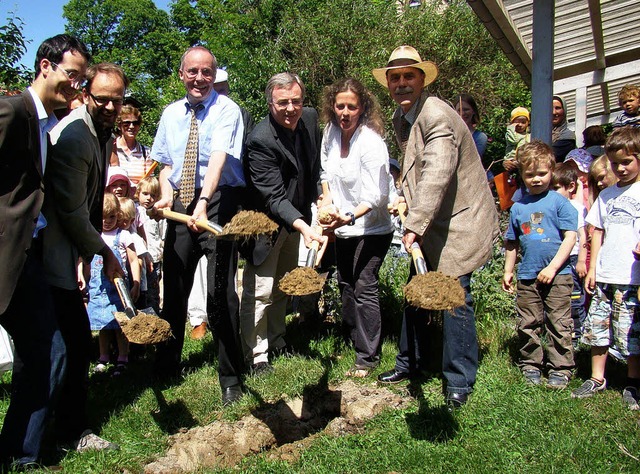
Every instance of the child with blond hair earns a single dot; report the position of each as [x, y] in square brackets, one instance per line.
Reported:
[629, 100]
[103, 296]
[543, 226]
[614, 270]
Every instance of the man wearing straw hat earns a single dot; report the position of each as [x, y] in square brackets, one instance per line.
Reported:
[451, 216]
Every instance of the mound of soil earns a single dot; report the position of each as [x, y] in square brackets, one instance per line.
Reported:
[301, 281]
[283, 429]
[144, 328]
[435, 291]
[249, 224]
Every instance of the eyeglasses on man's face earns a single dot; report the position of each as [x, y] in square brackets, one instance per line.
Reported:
[284, 103]
[74, 76]
[102, 101]
[193, 72]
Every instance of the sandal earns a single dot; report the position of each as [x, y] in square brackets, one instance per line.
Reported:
[120, 368]
[358, 372]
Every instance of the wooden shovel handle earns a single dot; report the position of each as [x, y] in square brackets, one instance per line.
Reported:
[416, 253]
[184, 218]
[153, 166]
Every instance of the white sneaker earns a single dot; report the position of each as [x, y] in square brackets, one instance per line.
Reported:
[88, 440]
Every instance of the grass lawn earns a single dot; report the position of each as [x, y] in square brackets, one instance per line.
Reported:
[506, 426]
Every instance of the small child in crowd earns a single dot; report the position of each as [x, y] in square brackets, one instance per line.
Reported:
[614, 270]
[516, 134]
[600, 176]
[565, 182]
[543, 225]
[103, 296]
[131, 220]
[629, 100]
[581, 160]
[118, 182]
[147, 193]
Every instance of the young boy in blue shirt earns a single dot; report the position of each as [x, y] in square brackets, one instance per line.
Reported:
[543, 225]
[614, 270]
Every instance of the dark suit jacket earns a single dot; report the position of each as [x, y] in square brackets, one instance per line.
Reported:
[21, 188]
[271, 172]
[75, 180]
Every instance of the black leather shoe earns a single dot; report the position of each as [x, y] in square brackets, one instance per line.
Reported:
[231, 395]
[456, 400]
[393, 376]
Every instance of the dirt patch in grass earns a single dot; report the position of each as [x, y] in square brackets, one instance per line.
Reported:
[301, 281]
[434, 291]
[283, 429]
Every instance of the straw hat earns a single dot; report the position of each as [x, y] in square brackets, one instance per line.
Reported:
[407, 56]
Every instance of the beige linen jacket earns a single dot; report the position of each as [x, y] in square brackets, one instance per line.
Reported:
[445, 185]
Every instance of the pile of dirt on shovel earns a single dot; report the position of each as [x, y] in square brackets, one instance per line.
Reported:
[249, 224]
[301, 281]
[282, 429]
[434, 291]
[144, 328]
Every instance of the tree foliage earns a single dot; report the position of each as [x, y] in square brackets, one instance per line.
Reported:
[321, 40]
[13, 76]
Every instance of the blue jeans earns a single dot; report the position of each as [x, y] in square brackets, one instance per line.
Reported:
[38, 368]
[460, 342]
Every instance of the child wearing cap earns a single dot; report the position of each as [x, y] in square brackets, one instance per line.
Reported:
[582, 159]
[516, 133]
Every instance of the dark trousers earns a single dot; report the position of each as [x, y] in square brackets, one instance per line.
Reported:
[71, 409]
[183, 248]
[578, 311]
[459, 341]
[359, 260]
[38, 367]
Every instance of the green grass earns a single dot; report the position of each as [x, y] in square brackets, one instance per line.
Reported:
[507, 426]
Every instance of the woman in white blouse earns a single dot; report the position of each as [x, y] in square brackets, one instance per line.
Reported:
[355, 164]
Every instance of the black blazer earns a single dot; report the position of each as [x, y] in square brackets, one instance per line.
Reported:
[21, 188]
[271, 172]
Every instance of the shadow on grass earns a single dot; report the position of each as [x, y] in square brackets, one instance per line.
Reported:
[171, 416]
[430, 423]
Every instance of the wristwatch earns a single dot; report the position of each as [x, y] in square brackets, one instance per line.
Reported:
[353, 218]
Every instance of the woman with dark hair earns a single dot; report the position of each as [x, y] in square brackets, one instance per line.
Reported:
[467, 108]
[355, 164]
[563, 140]
[128, 153]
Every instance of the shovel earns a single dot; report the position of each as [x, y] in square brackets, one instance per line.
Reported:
[430, 290]
[202, 224]
[143, 328]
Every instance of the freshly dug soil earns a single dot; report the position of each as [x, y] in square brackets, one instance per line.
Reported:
[435, 291]
[283, 429]
[324, 214]
[144, 328]
[301, 281]
[249, 224]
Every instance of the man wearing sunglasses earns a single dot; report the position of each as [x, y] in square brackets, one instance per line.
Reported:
[75, 182]
[26, 307]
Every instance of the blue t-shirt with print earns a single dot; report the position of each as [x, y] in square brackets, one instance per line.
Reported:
[537, 222]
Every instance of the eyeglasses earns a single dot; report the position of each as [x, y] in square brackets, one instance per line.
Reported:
[128, 123]
[102, 101]
[193, 73]
[284, 103]
[74, 76]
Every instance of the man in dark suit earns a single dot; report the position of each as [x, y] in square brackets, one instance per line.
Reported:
[282, 167]
[26, 308]
[75, 180]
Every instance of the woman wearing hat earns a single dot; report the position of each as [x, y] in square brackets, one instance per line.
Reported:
[355, 163]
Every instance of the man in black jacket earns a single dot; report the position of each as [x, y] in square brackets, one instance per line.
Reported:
[282, 168]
